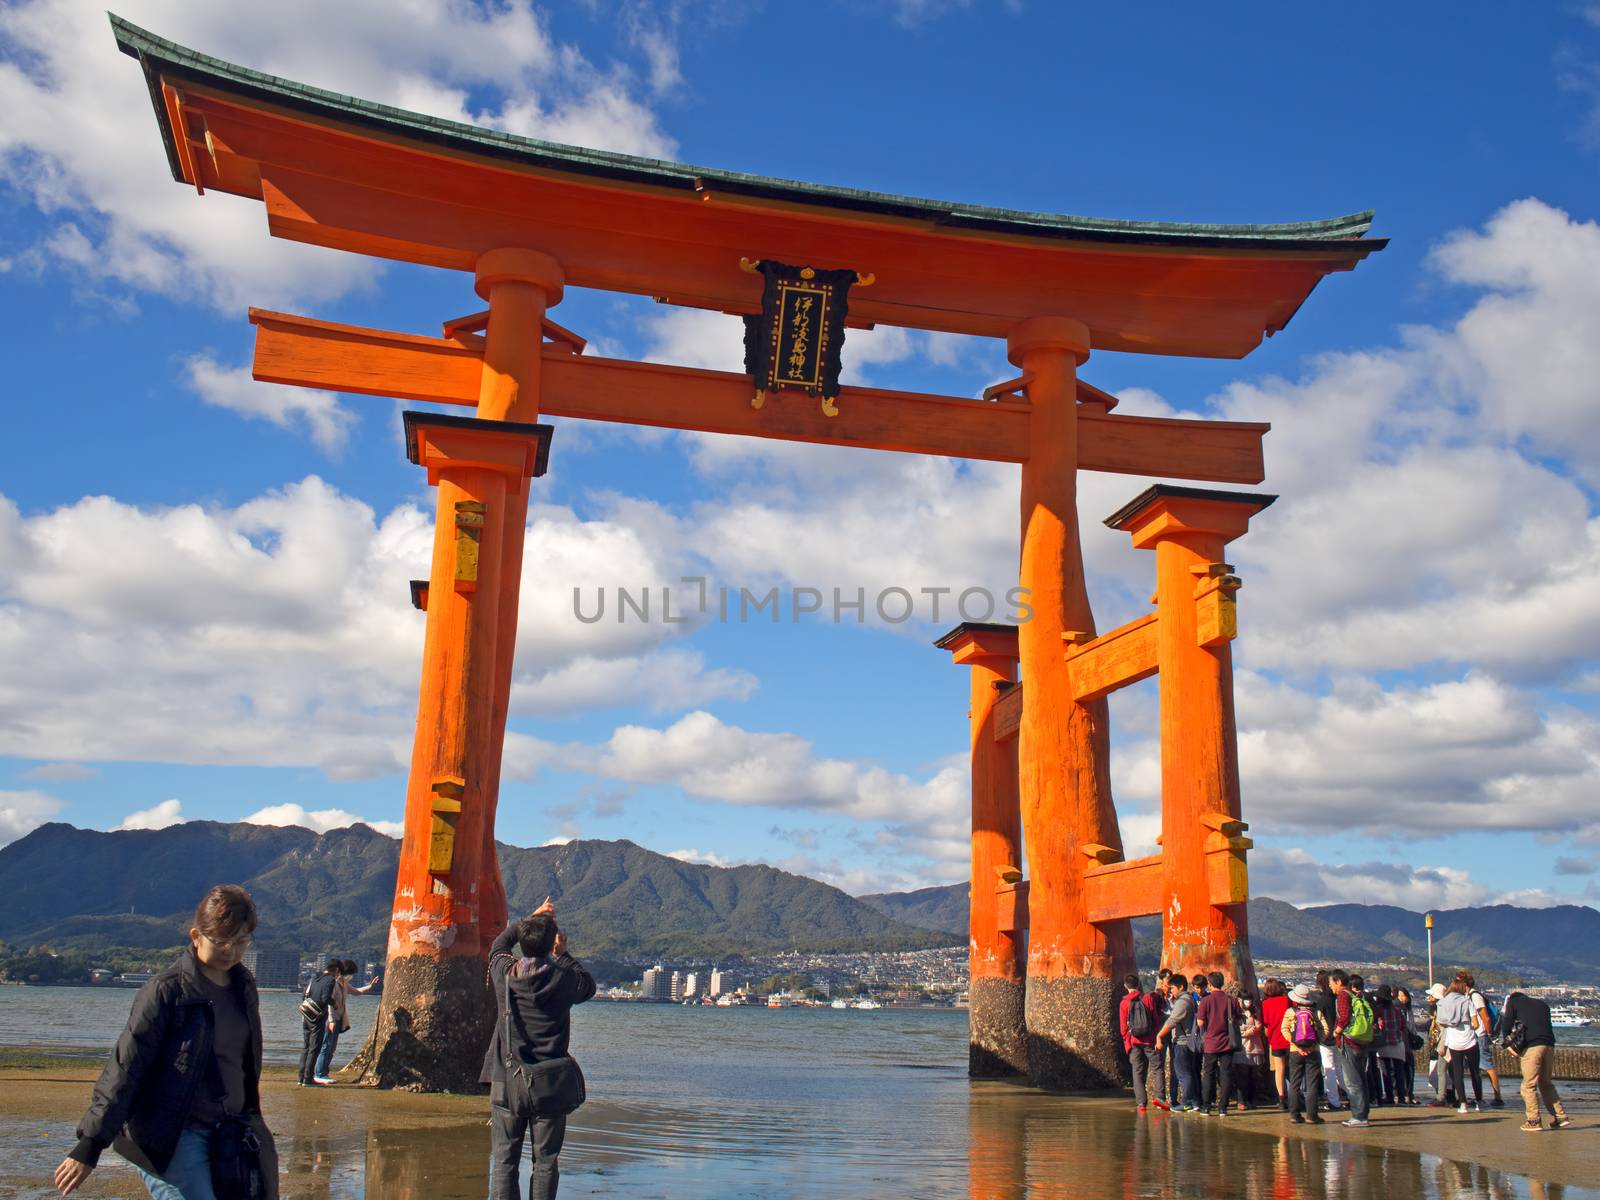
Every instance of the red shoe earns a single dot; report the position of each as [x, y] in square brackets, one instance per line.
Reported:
[1141, 1110]
[1162, 1105]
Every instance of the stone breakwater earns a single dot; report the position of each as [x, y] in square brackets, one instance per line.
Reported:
[1568, 1062]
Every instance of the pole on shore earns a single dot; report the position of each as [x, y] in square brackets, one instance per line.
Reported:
[1428, 921]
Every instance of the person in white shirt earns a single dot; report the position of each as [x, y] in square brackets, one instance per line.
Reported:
[1484, 1027]
[1457, 1021]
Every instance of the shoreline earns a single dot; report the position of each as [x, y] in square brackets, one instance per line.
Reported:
[395, 1135]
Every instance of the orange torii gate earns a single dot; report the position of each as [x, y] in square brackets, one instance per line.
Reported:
[527, 219]
[1198, 883]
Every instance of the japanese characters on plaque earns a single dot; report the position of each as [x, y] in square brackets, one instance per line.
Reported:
[795, 342]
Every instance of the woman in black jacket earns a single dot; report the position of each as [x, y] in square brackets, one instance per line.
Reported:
[186, 1072]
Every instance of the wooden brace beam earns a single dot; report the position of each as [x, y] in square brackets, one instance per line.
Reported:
[1125, 889]
[345, 358]
[1113, 660]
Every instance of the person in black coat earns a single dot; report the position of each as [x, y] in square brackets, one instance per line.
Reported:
[543, 986]
[188, 1062]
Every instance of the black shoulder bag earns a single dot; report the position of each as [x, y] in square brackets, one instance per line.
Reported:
[236, 1160]
[551, 1088]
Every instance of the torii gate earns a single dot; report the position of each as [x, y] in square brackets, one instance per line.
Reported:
[527, 218]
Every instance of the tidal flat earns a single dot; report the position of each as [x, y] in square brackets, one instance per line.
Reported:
[754, 1103]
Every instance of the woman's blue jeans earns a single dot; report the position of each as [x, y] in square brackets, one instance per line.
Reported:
[188, 1175]
[325, 1058]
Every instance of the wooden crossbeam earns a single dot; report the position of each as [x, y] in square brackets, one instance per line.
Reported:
[1011, 908]
[1125, 889]
[1008, 714]
[1113, 660]
[346, 358]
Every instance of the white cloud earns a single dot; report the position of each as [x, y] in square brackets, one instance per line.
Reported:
[321, 821]
[168, 812]
[1469, 754]
[922, 825]
[669, 680]
[81, 141]
[326, 420]
[707, 858]
[280, 632]
[23, 812]
[1297, 876]
[64, 772]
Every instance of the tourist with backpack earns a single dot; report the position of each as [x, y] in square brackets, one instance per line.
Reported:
[1525, 1030]
[1353, 1031]
[1304, 1030]
[1438, 1057]
[1322, 1001]
[317, 1018]
[1412, 1042]
[1389, 1048]
[1484, 1017]
[1250, 1055]
[1137, 1016]
[1217, 1019]
[1459, 1029]
[533, 1082]
[1177, 1029]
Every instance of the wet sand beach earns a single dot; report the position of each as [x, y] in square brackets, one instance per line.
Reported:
[991, 1140]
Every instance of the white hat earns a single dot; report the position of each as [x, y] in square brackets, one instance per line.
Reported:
[1436, 992]
[1300, 994]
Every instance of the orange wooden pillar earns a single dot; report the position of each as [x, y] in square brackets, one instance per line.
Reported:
[997, 1030]
[520, 285]
[1204, 923]
[435, 1017]
[1064, 747]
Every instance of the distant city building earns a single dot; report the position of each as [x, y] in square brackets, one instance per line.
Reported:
[691, 985]
[677, 986]
[273, 967]
[716, 983]
[654, 985]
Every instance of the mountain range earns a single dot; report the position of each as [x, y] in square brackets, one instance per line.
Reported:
[1563, 941]
[82, 889]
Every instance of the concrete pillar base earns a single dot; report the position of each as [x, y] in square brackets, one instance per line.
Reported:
[998, 1037]
[433, 1027]
[1073, 1041]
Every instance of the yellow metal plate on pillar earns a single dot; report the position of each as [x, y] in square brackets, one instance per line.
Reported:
[469, 530]
[1216, 613]
[446, 812]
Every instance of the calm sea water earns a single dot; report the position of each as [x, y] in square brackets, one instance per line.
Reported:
[757, 1103]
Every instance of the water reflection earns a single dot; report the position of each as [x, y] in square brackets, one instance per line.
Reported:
[1019, 1145]
[1025, 1147]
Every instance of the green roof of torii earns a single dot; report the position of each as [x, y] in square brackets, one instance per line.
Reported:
[159, 56]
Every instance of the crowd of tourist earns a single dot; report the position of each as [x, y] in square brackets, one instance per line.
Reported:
[1205, 1045]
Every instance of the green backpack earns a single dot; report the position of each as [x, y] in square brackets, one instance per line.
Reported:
[1362, 1027]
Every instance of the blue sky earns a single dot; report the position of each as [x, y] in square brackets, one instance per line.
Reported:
[202, 579]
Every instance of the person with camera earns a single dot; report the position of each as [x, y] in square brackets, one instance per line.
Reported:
[533, 1082]
[1526, 1031]
[181, 1097]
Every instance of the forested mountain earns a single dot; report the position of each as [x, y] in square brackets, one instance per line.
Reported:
[81, 888]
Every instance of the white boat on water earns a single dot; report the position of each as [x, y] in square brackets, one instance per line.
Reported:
[840, 1004]
[866, 1004]
[1568, 1018]
[778, 1000]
